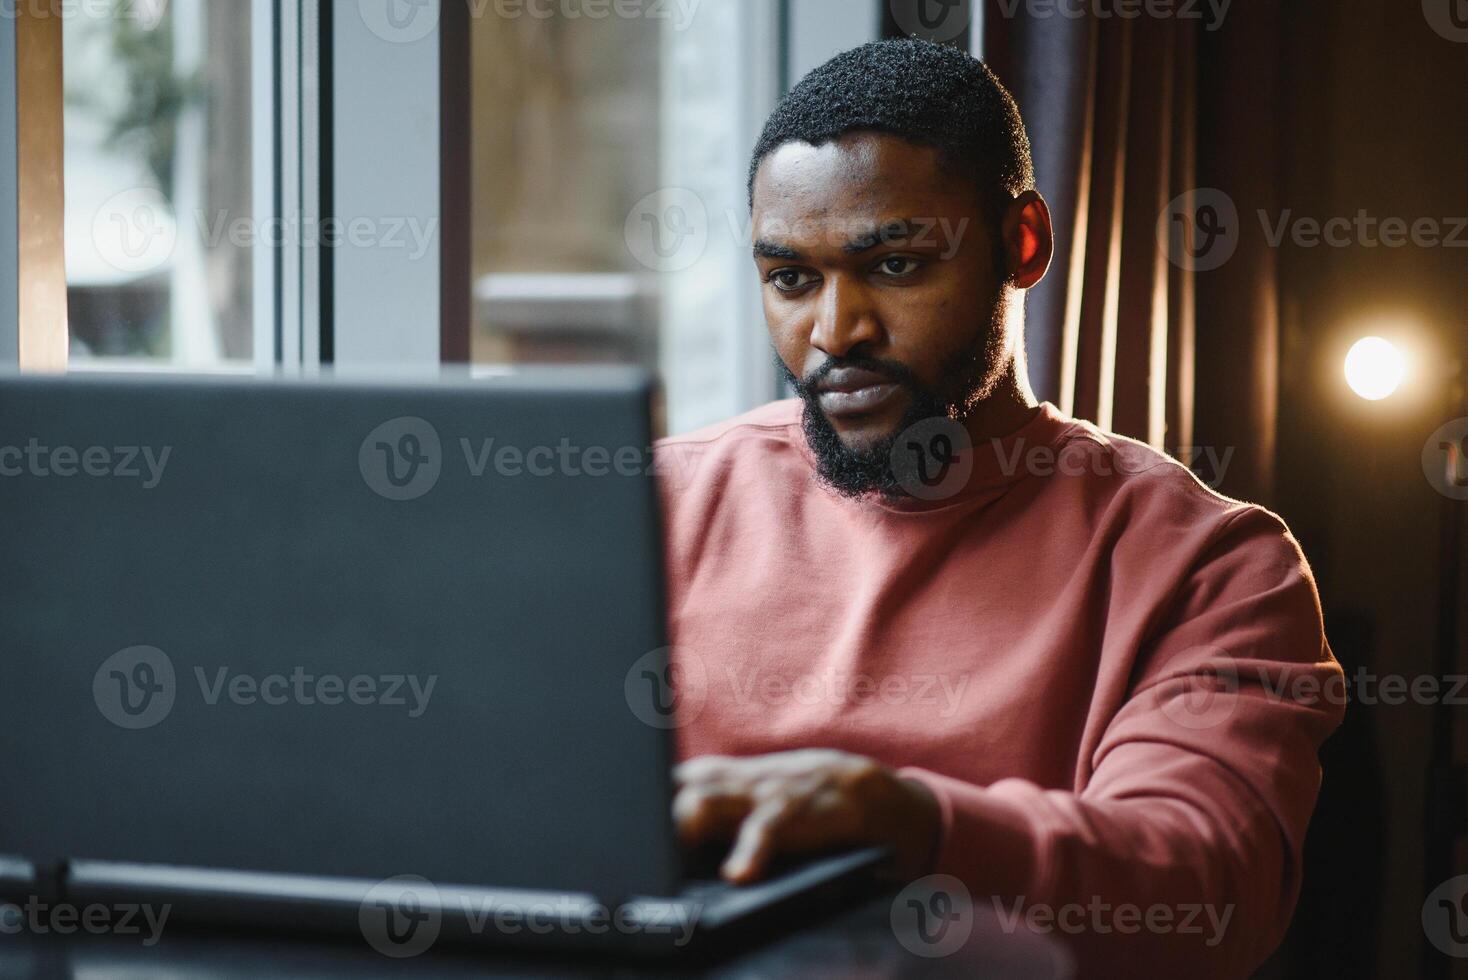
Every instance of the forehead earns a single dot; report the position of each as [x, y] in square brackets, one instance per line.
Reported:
[857, 178]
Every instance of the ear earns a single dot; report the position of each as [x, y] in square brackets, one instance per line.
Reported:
[1029, 241]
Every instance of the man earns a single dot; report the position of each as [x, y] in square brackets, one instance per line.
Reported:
[916, 607]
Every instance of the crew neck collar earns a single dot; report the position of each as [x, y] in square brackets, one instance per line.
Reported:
[994, 465]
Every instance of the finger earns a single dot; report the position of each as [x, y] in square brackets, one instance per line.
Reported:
[699, 769]
[758, 839]
[704, 814]
[826, 819]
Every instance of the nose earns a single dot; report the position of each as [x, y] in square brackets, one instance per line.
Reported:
[845, 318]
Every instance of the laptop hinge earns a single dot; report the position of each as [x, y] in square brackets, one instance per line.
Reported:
[49, 880]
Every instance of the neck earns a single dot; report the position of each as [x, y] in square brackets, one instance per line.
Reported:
[1008, 407]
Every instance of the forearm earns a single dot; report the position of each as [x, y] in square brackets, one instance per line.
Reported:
[1187, 889]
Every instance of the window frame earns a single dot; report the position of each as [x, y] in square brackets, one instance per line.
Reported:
[9, 199]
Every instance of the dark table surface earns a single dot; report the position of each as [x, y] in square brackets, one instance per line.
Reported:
[860, 942]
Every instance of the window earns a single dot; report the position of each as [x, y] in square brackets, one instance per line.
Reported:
[610, 222]
[601, 216]
[158, 182]
[566, 125]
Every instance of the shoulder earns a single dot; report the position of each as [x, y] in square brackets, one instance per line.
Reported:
[758, 439]
[1153, 502]
[773, 420]
[1222, 571]
[719, 482]
[1137, 477]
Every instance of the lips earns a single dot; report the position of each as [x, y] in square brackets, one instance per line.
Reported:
[859, 402]
[854, 391]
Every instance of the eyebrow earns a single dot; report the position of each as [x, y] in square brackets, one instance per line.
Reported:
[896, 229]
[766, 249]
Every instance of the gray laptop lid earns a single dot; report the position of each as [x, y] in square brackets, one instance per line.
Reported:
[338, 629]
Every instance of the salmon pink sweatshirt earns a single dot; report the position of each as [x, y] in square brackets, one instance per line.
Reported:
[1114, 680]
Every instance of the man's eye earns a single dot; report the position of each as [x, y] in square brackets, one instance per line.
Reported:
[789, 280]
[898, 265]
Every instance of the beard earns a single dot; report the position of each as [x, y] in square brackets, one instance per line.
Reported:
[966, 379]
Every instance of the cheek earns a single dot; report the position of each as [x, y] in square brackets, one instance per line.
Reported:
[927, 326]
[790, 328]
[924, 318]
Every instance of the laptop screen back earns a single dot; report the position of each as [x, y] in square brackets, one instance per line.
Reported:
[334, 628]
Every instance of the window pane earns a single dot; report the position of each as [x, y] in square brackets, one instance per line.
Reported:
[565, 137]
[158, 181]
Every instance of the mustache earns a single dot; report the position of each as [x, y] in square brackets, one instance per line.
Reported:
[893, 371]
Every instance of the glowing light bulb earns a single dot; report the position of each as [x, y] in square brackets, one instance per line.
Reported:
[1374, 368]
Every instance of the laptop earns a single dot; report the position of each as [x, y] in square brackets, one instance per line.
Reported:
[383, 657]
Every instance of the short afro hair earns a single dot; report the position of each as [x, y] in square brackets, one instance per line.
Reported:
[929, 94]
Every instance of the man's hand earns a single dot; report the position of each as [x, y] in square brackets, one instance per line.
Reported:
[803, 802]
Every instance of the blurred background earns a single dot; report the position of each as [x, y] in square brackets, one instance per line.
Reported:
[1242, 193]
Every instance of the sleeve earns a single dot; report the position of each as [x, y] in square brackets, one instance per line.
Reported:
[1182, 851]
